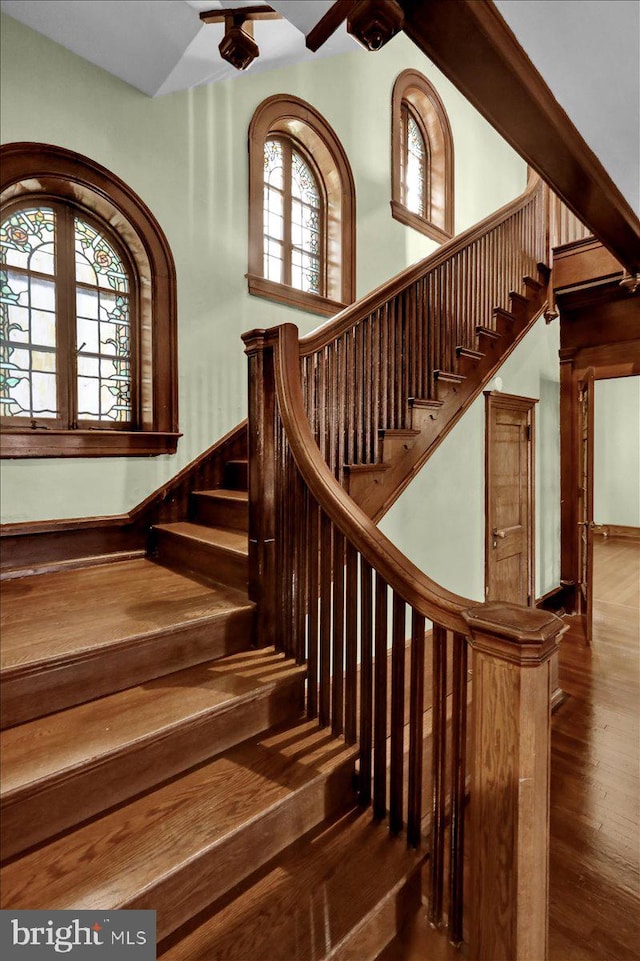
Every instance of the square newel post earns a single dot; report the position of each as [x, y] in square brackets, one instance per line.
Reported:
[509, 838]
[261, 446]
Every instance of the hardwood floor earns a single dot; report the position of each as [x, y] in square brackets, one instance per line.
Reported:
[595, 774]
[595, 784]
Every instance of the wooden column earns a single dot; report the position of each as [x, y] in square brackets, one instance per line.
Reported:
[509, 837]
[261, 445]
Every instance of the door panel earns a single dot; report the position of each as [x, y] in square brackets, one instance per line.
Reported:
[509, 498]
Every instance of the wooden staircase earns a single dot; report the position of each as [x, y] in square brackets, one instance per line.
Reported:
[152, 759]
[402, 451]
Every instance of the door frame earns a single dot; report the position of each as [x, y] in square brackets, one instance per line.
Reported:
[496, 400]
[608, 362]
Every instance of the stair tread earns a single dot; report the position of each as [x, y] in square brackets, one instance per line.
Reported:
[224, 537]
[309, 900]
[67, 614]
[49, 749]
[425, 402]
[365, 468]
[220, 493]
[120, 858]
[488, 332]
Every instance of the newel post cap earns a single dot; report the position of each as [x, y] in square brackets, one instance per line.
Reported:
[523, 635]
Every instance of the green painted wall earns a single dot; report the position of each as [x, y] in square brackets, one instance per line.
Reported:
[439, 519]
[616, 467]
[186, 155]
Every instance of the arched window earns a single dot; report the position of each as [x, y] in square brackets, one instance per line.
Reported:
[87, 312]
[301, 209]
[421, 158]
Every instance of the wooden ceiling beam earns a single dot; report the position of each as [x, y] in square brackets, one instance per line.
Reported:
[474, 47]
[251, 12]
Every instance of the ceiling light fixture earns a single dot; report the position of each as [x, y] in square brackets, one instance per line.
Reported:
[237, 46]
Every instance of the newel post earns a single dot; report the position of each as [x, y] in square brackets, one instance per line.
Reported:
[509, 845]
[261, 446]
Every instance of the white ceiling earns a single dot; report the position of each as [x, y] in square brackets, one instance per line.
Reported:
[588, 51]
[162, 46]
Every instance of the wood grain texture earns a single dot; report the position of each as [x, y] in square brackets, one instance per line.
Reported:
[218, 554]
[152, 621]
[181, 846]
[341, 893]
[595, 774]
[59, 770]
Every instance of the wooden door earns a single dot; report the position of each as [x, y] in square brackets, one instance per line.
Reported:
[509, 503]
[585, 501]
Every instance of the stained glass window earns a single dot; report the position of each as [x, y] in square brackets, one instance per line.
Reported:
[102, 328]
[64, 318]
[28, 381]
[292, 219]
[415, 166]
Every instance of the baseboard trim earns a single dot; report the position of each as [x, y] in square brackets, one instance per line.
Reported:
[618, 531]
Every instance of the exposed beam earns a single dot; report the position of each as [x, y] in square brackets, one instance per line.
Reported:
[328, 24]
[473, 46]
[251, 12]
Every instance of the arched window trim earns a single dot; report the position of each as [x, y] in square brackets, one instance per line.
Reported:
[414, 90]
[34, 173]
[294, 119]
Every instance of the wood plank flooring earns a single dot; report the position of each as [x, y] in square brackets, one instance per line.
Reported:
[595, 785]
[595, 774]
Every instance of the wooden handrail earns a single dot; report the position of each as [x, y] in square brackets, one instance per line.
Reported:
[331, 588]
[415, 587]
[333, 328]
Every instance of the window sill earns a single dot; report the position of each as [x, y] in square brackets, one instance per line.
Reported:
[260, 287]
[27, 442]
[410, 219]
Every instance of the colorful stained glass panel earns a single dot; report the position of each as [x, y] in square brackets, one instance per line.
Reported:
[27, 240]
[103, 336]
[28, 383]
[97, 263]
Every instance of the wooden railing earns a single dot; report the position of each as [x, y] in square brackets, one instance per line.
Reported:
[361, 368]
[334, 592]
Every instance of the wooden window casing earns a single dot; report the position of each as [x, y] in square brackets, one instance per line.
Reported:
[289, 119]
[42, 175]
[413, 96]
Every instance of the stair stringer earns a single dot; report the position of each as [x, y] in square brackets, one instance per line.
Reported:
[377, 489]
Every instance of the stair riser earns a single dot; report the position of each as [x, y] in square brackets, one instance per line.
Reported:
[39, 812]
[369, 938]
[219, 513]
[199, 883]
[52, 686]
[236, 475]
[207, 560]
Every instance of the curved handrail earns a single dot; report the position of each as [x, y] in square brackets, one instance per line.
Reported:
[416, 588]
[350, 316]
